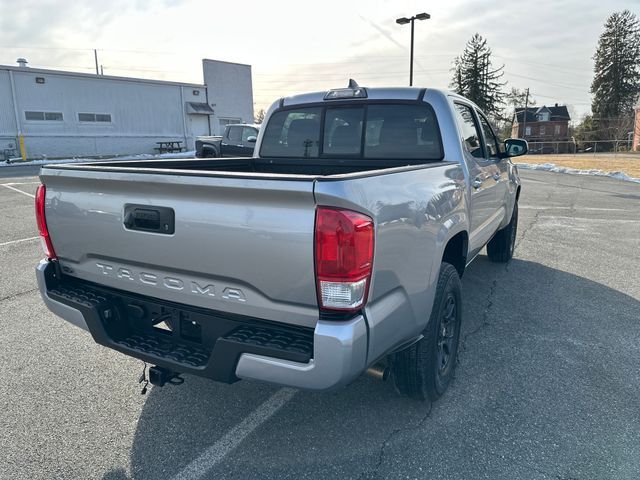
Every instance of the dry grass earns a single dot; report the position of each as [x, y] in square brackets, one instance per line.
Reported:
[628, 163]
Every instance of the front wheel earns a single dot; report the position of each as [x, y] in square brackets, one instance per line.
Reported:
[425, 369]
[501, 247]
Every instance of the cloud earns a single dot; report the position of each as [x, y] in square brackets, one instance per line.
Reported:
[300, 46]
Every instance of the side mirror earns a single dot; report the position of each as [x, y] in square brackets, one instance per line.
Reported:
[514, 147]
[252, 139]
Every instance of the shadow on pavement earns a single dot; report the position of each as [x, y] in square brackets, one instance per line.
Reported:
[544, 350]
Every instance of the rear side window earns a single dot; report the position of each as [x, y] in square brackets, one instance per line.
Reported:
[470, 135]
[235, 134]
[374, 131]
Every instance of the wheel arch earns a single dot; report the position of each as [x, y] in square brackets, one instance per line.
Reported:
[456, 251]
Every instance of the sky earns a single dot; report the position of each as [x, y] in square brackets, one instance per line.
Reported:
[297, 46]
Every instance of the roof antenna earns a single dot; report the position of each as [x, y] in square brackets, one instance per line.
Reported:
[353, 84]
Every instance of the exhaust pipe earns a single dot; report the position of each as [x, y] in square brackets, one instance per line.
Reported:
[379, 372]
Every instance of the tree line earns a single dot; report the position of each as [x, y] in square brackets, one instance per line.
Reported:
[615, 86]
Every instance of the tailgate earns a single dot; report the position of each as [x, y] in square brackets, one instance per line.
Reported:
[239, 245]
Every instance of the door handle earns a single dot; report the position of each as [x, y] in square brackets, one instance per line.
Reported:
[477, 183]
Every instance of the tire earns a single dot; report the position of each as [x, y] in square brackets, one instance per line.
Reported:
[209, 153]
[500, 248]
[424, 370]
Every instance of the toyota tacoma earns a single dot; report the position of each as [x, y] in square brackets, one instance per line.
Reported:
[337, 249]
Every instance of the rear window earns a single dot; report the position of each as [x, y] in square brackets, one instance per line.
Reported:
[384, 131]
[292, 133]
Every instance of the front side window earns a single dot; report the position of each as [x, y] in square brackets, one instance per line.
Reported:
[374, 131]
[470, 134]
[248, 132]
[489, 138]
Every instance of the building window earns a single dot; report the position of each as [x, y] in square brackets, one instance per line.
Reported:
[94, 117]
[43, 116]
[543, 130]
[557, 130]
[527, 131]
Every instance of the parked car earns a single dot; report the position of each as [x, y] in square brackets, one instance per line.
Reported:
[237, 141]
[336, 250]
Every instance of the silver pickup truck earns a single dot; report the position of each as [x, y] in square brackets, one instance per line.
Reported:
[336, 250]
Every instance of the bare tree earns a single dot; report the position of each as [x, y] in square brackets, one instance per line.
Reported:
[259, 118]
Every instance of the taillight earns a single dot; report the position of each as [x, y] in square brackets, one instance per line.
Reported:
[45, 239]
[344, 258]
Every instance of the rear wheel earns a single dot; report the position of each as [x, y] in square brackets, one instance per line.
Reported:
[424, 370]
[209, 153]
[501, 247]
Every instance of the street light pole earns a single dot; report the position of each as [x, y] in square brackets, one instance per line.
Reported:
[404, 21]
[411, 59]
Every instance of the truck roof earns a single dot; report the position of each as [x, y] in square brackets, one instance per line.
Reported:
[373, 93]
[254, 125]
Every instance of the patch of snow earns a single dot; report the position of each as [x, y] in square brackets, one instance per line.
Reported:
[552, 167]
[142, 156]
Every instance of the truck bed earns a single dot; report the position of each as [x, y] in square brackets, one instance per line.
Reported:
[242, 165]
[241, 239]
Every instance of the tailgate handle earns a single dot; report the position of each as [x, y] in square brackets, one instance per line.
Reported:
[148, 218]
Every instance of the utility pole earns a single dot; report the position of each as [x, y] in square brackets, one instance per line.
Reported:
[524, 116]
[95, 56]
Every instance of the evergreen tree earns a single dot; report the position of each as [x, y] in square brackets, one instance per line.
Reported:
[616, 81]
[475, 78]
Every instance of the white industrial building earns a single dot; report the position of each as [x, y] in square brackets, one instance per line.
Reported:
[60, 114]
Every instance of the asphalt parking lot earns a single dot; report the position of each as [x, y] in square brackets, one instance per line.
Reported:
[547, 387]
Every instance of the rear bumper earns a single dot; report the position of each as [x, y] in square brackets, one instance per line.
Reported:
[224, 348]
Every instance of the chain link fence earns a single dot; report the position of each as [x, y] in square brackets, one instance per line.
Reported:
[583, 147]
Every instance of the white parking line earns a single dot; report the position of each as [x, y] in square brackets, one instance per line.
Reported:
[18, 241]
[555, 207]
[18, 190]
[219, 450]
[20, 183]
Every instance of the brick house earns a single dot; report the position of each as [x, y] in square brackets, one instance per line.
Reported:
[546, 128]
[636, 127]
